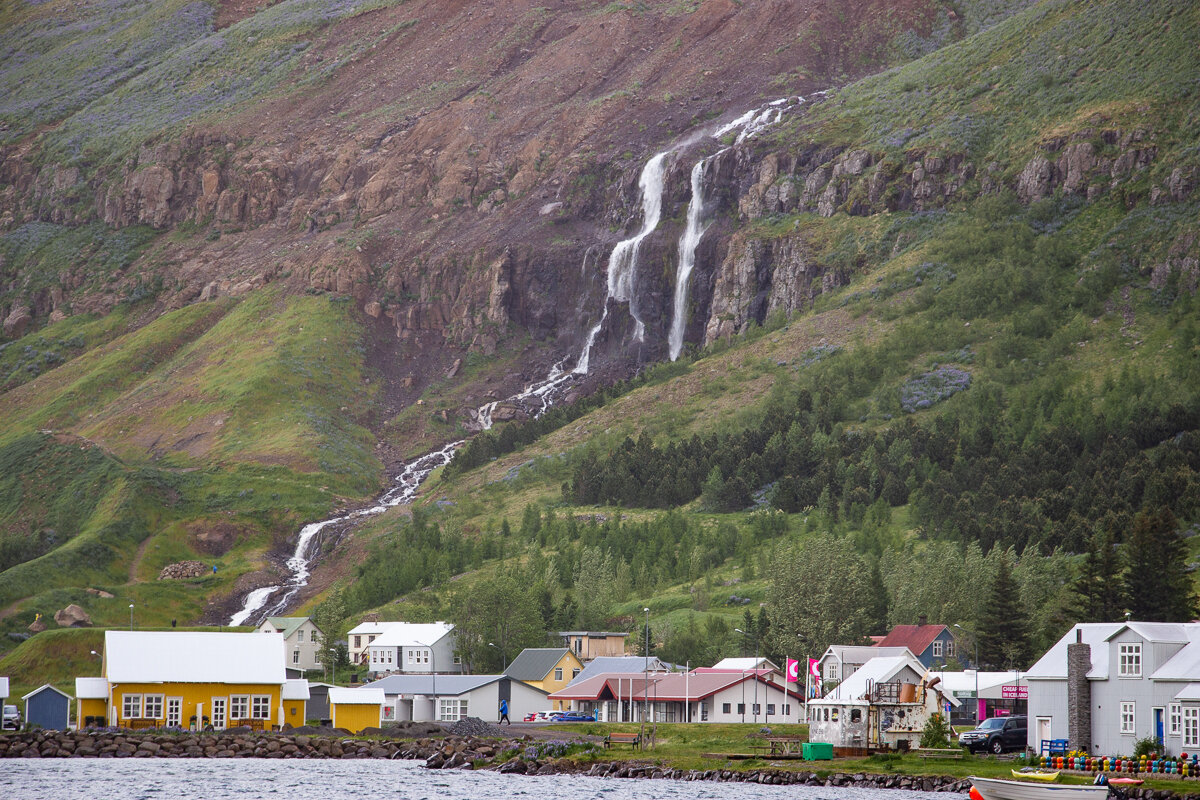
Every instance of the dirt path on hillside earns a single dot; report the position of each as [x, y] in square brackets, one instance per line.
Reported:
[137, 560]
[12, 609]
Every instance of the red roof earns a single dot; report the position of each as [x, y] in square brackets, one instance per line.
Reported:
[916, 638]
[672, 686]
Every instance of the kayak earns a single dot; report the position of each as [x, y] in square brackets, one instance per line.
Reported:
[1035, 774]
[995, 789]
[1125, 781]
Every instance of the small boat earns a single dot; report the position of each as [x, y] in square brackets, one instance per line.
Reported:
[1125, 781]
[1035, 774]
[997, 789]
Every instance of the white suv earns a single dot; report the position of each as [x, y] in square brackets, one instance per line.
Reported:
[12, 719]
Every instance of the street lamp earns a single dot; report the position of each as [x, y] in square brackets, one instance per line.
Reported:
[332, 664]
[503, 659]
[975, 639]
[131, 616]
[755, 670]
[433, 669]
[646, 676]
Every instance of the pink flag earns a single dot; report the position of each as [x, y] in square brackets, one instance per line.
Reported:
[793, 670]
[814, 669]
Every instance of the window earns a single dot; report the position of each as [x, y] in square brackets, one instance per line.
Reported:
[787, 709]
[725, 708]
[950, 649]
[1127, 717]
[574, 673]
[756, 708]
[412, 656]
[452, 710]
[826, 715]
[370, 639]
[457, 658]
[937, 648]
[741, 708]
[295, 656]
[357, 642]
[300, 635]
[831, 671]
[239, 707]
[218, 712]
[260, 706]
[770, 709]
[704, 712]
[389, 712]
[558, 673]
[131, 706]
[856, 715]
[153, 707]
[1175, 719]
[1191, 726]
[1129, 661]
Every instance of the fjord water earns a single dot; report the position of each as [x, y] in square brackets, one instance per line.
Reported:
[286, 779]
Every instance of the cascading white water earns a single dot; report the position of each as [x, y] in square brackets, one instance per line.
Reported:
[688, 243]
[622, 263]
[622, 267]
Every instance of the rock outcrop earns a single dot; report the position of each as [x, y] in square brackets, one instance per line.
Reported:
[73, 617]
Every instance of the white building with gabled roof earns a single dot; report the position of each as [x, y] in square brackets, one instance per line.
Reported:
[410, 647]
[1105, 685]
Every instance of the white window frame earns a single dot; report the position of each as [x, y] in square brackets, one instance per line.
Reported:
[300, 635]
[239, 707]
[950, 648]
[389, 712]
[937, 648]
[260, 706]
[295, 656]
[152, 706]
[1191, 726]
[451, 709]
[219, 706]
[787, 709]
[1174, 719]
[558, 673]
[131, 706]
[175, 712]
[1129, 660]
[1128, 717]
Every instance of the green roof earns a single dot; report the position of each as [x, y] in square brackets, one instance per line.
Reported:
[288, 625]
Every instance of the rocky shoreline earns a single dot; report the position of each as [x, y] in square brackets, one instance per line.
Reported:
[450, 752]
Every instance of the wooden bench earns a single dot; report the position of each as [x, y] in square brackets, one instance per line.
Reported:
[927, 753]
[141, 724]
[616, 737]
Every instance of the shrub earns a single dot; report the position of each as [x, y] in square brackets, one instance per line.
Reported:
[936, 732]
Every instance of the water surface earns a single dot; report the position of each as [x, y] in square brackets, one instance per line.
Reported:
[364, 779]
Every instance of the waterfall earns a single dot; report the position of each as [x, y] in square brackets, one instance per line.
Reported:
[688, 243]
[621, 272]
[622, 263]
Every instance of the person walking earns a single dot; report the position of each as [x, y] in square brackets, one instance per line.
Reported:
[504, 713]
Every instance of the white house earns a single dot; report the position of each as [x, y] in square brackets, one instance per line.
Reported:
[302, 638]
[414, 648]
[883, 705]
[699, 696]
[362, 635]
[452, 697]
[840, 661]
[1105, 685]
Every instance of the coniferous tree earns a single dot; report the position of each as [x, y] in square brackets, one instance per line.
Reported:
[1003, 627]
[879, 603]
[1099, 587]
[1157, 583]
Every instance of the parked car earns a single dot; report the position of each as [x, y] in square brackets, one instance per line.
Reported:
[573, 716]
[996, 735]
[530, 717]
[12, 719]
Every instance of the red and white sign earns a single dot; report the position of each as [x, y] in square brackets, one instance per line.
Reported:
[1014, 692]
[793, 670]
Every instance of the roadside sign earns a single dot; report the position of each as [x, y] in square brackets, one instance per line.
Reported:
[1014, 692]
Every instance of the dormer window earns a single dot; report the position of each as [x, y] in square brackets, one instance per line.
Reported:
[1129, 660]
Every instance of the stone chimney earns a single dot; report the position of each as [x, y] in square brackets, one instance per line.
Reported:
[372, 617]
[1079, 694]
[922, 620]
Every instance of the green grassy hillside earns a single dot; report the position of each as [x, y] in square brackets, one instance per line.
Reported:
[1001, 378]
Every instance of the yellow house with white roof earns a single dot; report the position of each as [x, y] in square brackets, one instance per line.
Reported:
[192, 679]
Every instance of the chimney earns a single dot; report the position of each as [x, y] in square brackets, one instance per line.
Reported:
[1079, 694]
[372, 617]
[922, 620]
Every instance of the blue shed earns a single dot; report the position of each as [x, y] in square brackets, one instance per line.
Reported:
[47, 707]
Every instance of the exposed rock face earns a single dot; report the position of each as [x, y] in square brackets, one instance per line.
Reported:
[73, 617]
[183, 569]
[17, 321]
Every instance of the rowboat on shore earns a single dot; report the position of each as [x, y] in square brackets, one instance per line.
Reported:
[1033, 773]
[997, 789]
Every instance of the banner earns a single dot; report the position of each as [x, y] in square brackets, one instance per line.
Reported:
[793, 670]
[814, 669]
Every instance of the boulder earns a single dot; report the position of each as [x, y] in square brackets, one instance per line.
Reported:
[73, 617]
[17, 321]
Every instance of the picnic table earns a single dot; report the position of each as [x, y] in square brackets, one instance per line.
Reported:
[785, 745]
